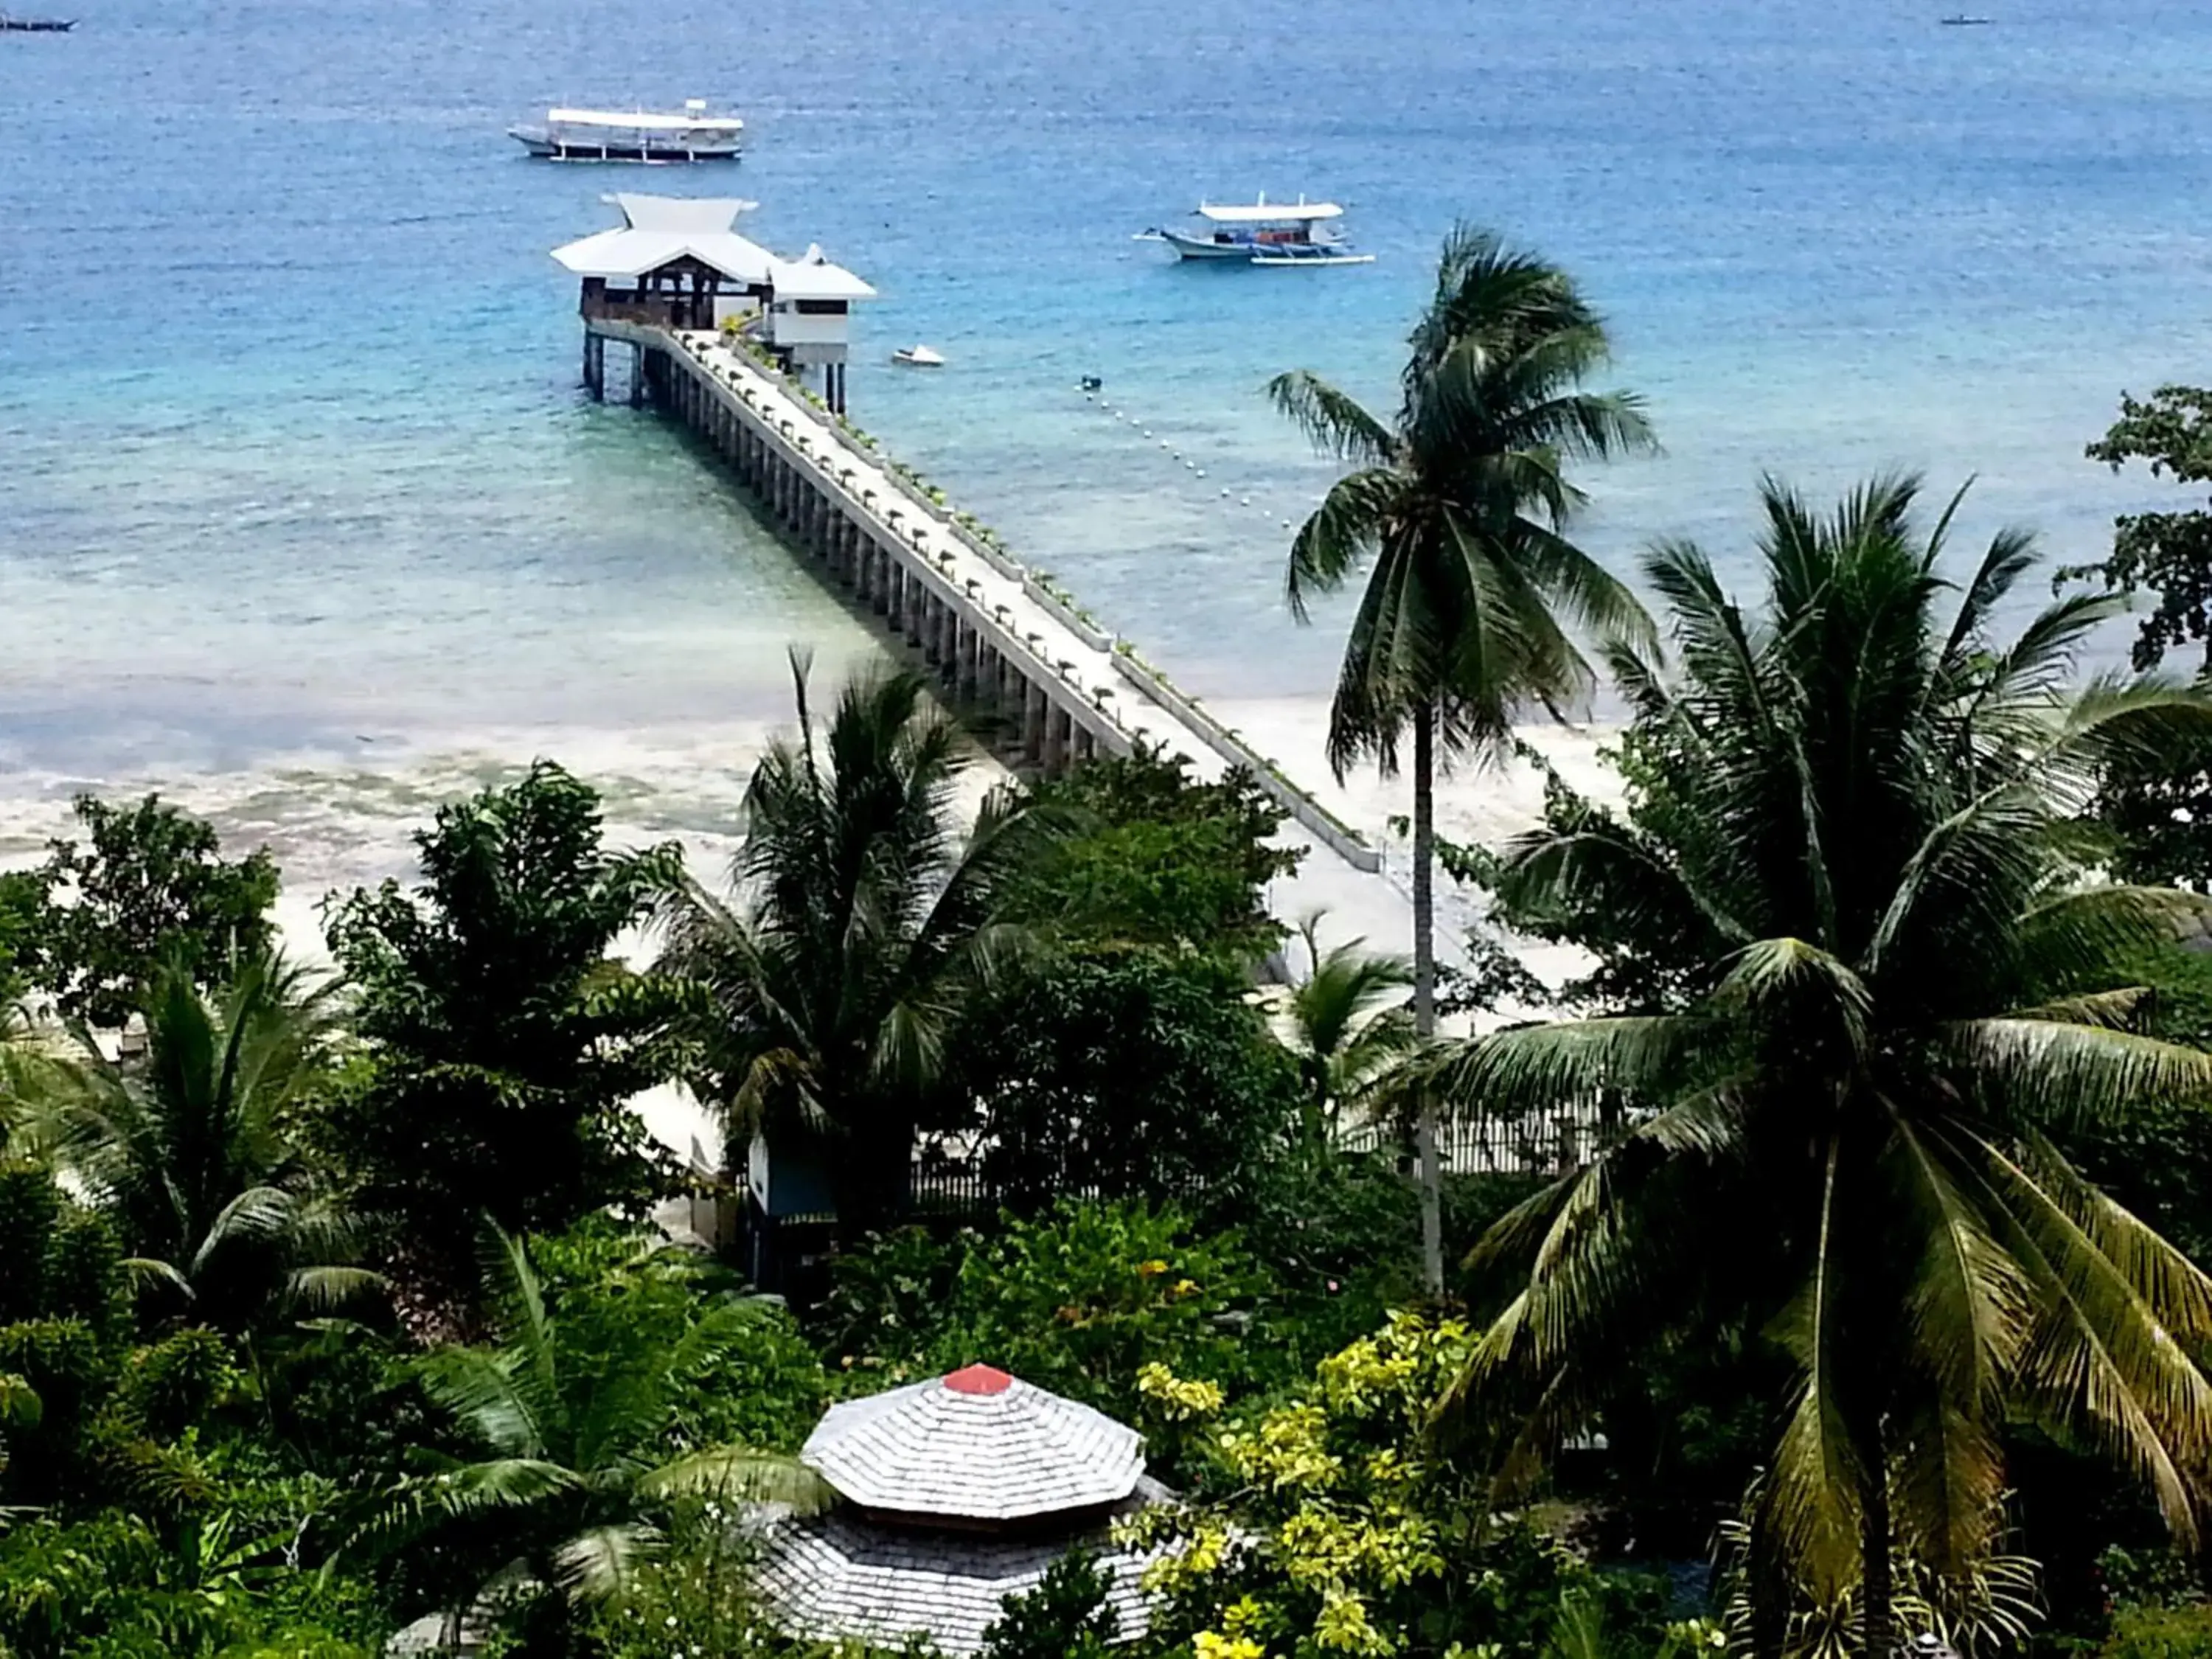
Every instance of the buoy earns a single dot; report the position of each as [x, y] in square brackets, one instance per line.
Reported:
[1225, 494]
[1286, 524]
[1165, 444]
[1243, 501]
[1202, 473]
[1190, 463]
[1148, 432]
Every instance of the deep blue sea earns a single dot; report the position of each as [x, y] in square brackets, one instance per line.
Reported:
[306, 517]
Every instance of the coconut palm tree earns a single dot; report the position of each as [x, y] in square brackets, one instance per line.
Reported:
[1458, 507]
[1345, 1022]
[1882, 990]
[579, 1451]
[189, 1149]
[859, 921]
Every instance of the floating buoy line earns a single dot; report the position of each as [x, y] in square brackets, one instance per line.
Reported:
[1094, 393]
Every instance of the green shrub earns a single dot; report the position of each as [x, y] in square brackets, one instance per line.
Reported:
[1065, 1617]
[2183, 1632]
[1076, 1301]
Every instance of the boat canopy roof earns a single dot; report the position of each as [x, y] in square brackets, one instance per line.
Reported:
[658, 230]
[1265, 212]
[642, 121]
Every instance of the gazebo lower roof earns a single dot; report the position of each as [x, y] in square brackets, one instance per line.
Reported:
[839, 1577]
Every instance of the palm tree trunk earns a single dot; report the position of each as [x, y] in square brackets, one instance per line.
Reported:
[1877, 1580]
[1424, 990]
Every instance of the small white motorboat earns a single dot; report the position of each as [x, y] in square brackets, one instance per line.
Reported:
[918, 356]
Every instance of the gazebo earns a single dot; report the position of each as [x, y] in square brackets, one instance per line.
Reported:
[958, 1492]
[671, 262]
[678, 263]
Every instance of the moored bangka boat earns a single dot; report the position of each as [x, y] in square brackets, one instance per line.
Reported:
[602, 135]
[35, 25]
[1263, 233]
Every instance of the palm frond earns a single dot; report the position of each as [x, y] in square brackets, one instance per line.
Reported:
[1333, 421]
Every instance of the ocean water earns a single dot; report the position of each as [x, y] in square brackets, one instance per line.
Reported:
[303, 517]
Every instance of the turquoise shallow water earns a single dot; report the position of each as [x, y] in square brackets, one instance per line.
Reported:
[297, 478]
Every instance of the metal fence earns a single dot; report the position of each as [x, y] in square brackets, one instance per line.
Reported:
[1549, 1142]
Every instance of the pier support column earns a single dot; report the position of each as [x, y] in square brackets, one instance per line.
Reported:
[964, 652]
[636, 376]
[595, 366]
[1086, 744]
[1033, 714]
[1057, 725]
[879, 581]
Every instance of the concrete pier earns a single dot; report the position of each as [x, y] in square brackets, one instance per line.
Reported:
[898, 559]
[1056, 690]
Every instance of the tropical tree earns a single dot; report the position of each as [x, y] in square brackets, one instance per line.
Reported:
[578, 1430]
[1458, 506]
[1346, 1021]
[1878, 992]
[190, 1151]
[858, 925]
[506, 1038]
[97, 923]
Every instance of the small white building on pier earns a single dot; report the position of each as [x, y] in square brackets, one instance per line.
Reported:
[678, 263]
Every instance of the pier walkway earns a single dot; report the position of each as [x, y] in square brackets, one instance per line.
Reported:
[1003, 643]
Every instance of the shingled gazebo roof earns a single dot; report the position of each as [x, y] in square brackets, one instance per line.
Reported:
[829, 1577]
[978, 1445]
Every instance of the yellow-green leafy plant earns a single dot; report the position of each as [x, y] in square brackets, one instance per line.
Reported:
[1342, 1532]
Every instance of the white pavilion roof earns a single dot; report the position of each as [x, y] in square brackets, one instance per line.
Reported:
[978, 1445]
[1265, 212]
[832, 1576]
[812, 276]
[657, 229]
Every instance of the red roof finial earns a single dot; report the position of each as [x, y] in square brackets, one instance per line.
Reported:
[978, 1379]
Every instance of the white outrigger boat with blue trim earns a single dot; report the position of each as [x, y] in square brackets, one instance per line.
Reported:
[1263, 233]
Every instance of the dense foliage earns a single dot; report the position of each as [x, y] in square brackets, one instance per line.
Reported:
[1870, 988]
[91, 926]
[1146, 855]
[860, 924]
[505, 1039]
[1117, 1073]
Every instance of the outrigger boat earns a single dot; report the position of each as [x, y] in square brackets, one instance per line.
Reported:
[35, 25]
[1263, 233]
[604, 135]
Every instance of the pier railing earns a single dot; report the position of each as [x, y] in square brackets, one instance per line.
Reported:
[1331, 831]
